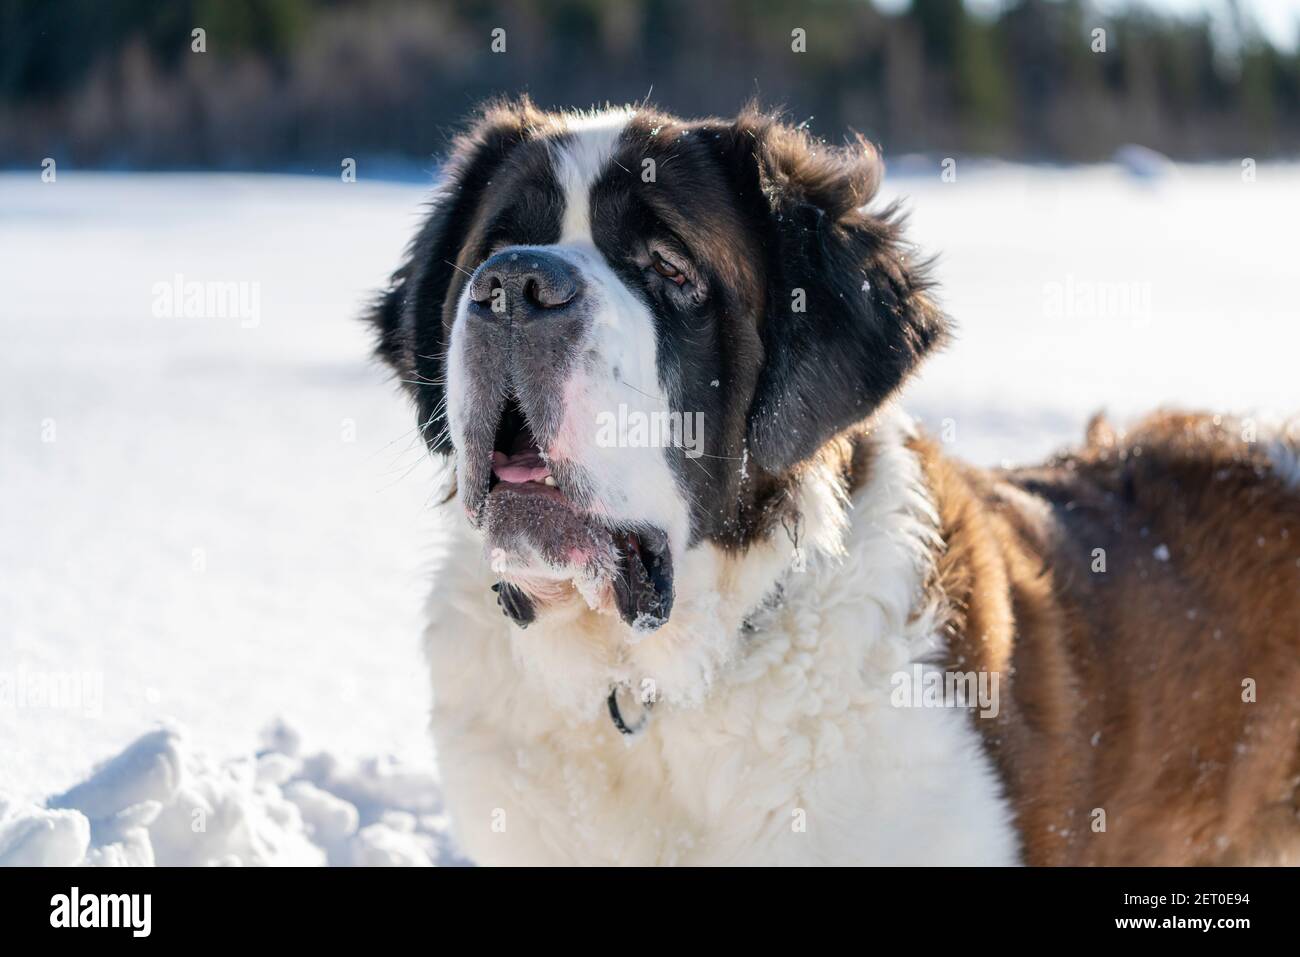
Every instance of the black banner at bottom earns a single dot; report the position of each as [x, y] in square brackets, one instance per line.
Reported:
[333, 906]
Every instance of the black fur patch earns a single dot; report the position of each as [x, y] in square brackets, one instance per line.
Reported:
[516, 605]
[865, 320]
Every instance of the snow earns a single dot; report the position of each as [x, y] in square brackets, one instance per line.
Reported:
[217, 531]
[160, 802]
[1205, 260]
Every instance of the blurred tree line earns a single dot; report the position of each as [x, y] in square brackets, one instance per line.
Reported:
[304, 82]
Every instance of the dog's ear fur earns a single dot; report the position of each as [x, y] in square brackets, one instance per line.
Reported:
[412, 317]
[848, 317]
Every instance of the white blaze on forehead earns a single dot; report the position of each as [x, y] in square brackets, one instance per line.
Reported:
[580, 160]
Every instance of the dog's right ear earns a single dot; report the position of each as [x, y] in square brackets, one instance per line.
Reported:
[412, 318]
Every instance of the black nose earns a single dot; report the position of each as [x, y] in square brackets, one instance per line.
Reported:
[525, 284]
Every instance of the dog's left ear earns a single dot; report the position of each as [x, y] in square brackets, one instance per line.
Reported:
[847, 317]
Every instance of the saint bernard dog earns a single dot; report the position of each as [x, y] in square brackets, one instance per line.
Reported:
[708, 596]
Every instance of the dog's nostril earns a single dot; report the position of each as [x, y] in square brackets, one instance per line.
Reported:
[549, 291]
[482, 285]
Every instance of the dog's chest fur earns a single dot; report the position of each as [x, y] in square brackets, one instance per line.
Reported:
[772, 742]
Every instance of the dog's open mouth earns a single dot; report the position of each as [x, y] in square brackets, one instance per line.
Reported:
[530, 513]
[516, 458]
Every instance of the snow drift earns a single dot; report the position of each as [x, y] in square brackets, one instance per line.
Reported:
[160, 802]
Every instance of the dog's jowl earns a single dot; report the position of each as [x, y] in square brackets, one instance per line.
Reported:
[711, 597]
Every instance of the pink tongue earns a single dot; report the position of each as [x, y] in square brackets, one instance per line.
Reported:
[520, 467]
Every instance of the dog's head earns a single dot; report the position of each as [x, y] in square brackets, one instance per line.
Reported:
[631, 331]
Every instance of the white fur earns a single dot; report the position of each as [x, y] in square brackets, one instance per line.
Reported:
[630, 482]
[753, 733]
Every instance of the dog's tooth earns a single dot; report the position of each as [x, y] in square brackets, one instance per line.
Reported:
[549, 480]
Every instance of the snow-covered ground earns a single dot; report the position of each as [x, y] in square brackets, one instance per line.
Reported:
[215, 532]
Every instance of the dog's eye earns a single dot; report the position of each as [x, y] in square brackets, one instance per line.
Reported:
[666, 269]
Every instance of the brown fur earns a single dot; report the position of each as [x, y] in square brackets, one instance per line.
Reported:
[1122, 690]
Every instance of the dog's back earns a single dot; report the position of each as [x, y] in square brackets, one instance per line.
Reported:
[1141, 599]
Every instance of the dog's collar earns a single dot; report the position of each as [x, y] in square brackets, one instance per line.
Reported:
[751, 625]
[616, 713]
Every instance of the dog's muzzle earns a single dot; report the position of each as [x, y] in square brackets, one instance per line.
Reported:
[527, 320]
